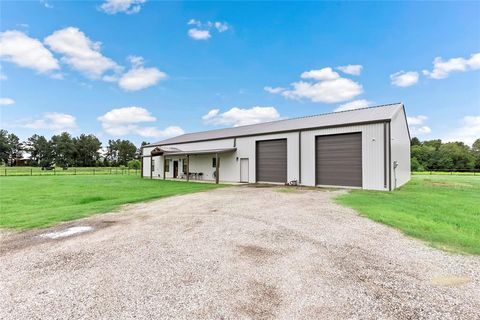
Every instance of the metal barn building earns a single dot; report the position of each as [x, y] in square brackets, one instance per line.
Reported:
[364, 148]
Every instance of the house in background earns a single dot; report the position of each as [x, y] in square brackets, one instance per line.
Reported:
[364, 148]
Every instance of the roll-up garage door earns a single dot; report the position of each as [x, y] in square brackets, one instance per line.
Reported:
[271, 160]
[339, 160]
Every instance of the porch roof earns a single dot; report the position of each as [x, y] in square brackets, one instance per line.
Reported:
[191, 152]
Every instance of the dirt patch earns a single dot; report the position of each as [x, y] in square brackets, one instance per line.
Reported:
[264, 301]
[256, 252]
[288, 190]
[451, 281]
[433, 183]
[21, 240]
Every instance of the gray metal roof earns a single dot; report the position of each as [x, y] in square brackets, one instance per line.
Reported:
[371, 114]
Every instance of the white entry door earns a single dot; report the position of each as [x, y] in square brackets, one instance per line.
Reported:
[244, 170]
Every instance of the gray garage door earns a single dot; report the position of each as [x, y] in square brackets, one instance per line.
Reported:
[339, 160]
[271, 164]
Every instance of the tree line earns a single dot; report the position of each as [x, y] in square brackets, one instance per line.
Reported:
[433, 155]
[65, 151]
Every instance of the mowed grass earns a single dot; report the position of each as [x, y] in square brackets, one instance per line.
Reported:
[441, 210]
[30, 202]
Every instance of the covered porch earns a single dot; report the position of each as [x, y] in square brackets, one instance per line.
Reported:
[198, 165]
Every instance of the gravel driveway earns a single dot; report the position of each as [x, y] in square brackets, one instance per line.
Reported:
[234, 253]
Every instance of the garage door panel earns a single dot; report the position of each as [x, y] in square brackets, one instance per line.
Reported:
[271, 160]
[339, 160]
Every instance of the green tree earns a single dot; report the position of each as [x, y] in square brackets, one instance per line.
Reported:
[15, 148]
[119, 152]
[126, 152]
[476, 153]
[455, 156]
[134, 164]
[415, 165]
[40, 150]
[86, 150]
[4, 147]
[415, 142]
[63, 149]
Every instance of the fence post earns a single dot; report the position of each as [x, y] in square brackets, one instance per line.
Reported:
[54, 172]
[116, 170]
[31, 172]
[93, 171]
[110, 170]
[5, 172]
[75, 171]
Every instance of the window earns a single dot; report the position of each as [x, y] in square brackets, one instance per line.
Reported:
[184, 162]
[167, 165]
[153, 164]
[214, 162]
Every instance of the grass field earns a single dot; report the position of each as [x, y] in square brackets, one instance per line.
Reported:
[29, 202]
[73, 171]
[441, 210]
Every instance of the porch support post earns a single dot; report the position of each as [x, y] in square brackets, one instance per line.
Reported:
[188, 167]
[164, 167]
[217, 167]
[141, 167]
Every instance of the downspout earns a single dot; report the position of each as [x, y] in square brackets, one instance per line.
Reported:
[300, 157]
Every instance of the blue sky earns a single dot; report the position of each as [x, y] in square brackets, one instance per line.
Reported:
[146, 70]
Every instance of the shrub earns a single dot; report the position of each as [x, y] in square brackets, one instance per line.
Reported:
[134, 164]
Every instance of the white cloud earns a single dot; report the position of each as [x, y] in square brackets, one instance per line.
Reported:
[6, 101]
[3, 77]
[416, 126]
[353, 69]
[198, 34]
[321, 74]
[420, 130]
[203, 30]
[468, 132]
[138, 77]
[240, 117]
[326, 86]
[221, 26]
[274, 90]
[443, 68]
[127, 115]
[194, 23]
[27, 52]
[46, 4]
[352, 105]
[153, 132]
[404, 79]
[329, 91]
[126, 6]
[52, 121]
[416, 120]
[125, 121]
[80, 52]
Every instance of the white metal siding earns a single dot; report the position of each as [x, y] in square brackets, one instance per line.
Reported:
[400, 145]
[146, 166]
[372, 154]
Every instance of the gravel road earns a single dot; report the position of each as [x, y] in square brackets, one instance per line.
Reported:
[234, 253]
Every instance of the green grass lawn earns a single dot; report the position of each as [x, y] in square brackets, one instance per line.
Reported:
[441, 210]
[29, 202]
